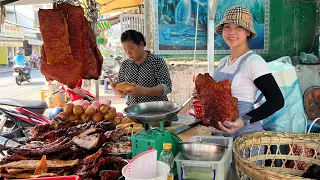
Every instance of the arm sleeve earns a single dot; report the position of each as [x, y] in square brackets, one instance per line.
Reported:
[162, 76]
[274, 99]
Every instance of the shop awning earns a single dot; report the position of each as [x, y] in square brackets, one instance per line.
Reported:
[109, 6]
[23, 2]
[35, 42]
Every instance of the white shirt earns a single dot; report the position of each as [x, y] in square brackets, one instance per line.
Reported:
[243, 86]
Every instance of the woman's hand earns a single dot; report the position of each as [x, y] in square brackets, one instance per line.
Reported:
[231, 127]
[137, 91]
[112, 83]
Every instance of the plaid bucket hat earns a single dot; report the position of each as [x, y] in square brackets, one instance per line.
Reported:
[237, 15]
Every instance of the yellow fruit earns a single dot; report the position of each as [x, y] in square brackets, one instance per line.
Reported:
[126, 120]
[90, 111]
[103, 108]
[78, 110]
[63, 114]
[85, 118]
[74, 117]
[116, 121]
[97, 118]
[109, 116]
[113, 111]
[68, 108]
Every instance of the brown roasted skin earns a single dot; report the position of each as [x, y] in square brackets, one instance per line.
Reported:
[72, 131]
[87, 59]
[68, 74]
[77, 37]
[92, 69]
[37, 148]
[217, 101]
[54, 30]
[92, 169]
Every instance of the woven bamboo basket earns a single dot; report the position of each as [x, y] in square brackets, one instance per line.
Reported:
[253, 165]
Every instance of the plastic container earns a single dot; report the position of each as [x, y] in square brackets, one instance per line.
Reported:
[200, 170]
[163, 170]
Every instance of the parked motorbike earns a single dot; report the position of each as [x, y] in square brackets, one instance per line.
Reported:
[16, 117]
[21, 74]
[10, 62]
[111, 69]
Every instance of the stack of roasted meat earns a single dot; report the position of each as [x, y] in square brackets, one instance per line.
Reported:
[70, 50]
[216, 99]
[90, 144]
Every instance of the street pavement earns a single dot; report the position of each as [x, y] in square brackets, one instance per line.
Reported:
[31, 90]
[27, 90]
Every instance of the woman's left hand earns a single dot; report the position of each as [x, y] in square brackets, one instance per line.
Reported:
[231, 127]
[137, 91]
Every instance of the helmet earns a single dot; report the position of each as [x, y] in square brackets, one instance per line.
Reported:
[19, 52]
[54, 112]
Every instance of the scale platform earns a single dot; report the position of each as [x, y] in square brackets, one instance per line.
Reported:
[153, 137]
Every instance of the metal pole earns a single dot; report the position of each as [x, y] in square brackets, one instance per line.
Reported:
[210, 50]
[92, 8]
[97, 81]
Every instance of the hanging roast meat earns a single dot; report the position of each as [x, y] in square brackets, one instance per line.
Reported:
[54, 30]
[216, 99]
[86, 59]
[68, 74]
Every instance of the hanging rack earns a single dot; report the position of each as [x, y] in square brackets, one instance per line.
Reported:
[195, 42]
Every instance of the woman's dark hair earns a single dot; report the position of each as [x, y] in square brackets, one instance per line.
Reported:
[134, 36]
[250, 36]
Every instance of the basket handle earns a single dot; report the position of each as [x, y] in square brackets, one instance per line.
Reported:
[317, 119]
[306, 120]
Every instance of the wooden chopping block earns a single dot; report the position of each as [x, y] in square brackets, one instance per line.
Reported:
[199, 130]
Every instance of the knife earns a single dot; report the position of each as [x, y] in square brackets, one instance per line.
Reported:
[186, 127]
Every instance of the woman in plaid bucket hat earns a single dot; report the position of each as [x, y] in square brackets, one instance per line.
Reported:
[248, 73]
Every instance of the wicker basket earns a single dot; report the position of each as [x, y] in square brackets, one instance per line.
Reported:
[247, 166]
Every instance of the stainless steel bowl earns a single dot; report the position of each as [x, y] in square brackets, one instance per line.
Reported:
[149, 112]
[201, 151]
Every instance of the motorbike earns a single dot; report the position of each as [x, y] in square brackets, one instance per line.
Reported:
[111, 69]
[18, 116]
[10, 62]
[21, 74]
[35, 63]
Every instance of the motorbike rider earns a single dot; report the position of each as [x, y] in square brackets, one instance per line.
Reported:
[20, 60]
[34, 59]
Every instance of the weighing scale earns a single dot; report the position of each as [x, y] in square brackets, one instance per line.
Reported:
[154, 137]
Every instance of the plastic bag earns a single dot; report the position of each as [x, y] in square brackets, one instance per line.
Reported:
[291, 117]
[308, 58]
